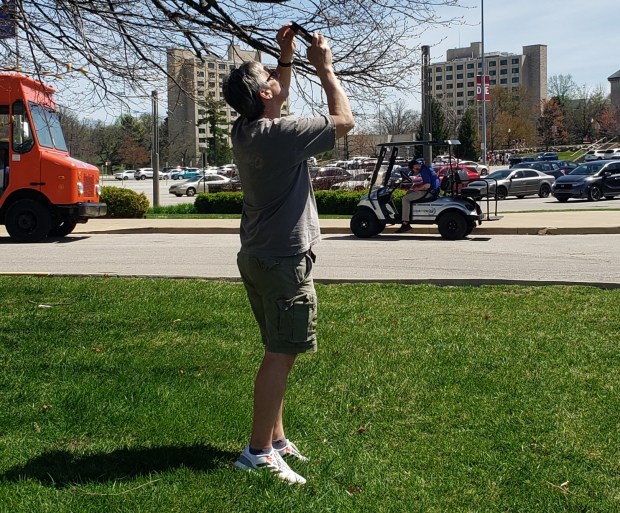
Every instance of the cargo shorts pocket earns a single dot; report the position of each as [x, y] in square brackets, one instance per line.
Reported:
[297, 318]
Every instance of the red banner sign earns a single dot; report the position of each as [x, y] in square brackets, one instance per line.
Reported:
[487, 94]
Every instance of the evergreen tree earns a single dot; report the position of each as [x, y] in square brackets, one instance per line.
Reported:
[218, 150]
[468, 136]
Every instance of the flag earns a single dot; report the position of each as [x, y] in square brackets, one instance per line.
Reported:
[7, 19]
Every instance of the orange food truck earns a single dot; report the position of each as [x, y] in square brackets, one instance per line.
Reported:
[43, 191]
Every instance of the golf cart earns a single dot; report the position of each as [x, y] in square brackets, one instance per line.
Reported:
[456, 213]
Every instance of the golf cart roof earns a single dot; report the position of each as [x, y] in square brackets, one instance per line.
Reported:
[447, 142]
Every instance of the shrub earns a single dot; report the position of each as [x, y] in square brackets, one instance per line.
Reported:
[337, 202]
[219, 203]
[124, 203]
[181, 208]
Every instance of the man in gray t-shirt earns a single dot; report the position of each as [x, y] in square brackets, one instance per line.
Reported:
[279, 226]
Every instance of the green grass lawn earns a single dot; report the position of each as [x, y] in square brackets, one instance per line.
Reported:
[134, 395]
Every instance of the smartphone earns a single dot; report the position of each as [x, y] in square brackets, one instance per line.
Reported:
[301, 32]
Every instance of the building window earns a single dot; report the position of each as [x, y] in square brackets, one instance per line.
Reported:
[202, 140]
[438, 69]
[470, 102]
[449, 77]
[459, 76]
[221, 66]
[200, 73]
[459, 112]
[470, 65]
[503, 80]
[470, 93]
[459, 85]
[470, 84]
[211, 65]
[448, 68]
[514, 61]
[492, 64]
[450, 104]
[439, 87]
[492, 73]
[440, 96]
[503, 62]
[460, 66]
[459, 93]
[470, 75]
[449, 86]
[438, 79]
[492, 82]
[515, 80]
[503, 72]
[515, 70]
[201, 83]
[202, 130]
[459, 103]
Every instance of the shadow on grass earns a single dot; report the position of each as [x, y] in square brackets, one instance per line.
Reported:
[63, 468]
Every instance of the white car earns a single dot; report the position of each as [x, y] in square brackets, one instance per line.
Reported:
[207, 183]
[481, 169]
[125, 175]
[594, 155]
[143, 173]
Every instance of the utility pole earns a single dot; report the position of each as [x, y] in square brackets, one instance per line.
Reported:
[427, 129]
[484, 92]
[155, 149]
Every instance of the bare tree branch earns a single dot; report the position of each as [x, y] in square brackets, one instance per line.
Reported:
[109, 50]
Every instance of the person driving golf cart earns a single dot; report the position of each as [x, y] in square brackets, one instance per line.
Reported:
[426, 190]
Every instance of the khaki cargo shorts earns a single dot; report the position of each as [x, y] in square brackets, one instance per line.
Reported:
[283, 299]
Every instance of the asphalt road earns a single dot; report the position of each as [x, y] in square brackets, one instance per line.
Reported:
[529, 203]
[495, 259]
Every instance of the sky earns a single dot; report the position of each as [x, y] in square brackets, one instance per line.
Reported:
[582, 38]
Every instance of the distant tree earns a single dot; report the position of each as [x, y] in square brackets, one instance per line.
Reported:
[550, 124]
[468, 137]
[218, 150]
[583, 113]
[439, 129]
[563, 89]
[509, 119]
[397, 119]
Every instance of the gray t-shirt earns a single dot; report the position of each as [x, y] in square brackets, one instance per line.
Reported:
[279, 210]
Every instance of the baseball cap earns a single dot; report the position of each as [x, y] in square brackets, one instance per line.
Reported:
[416, 161]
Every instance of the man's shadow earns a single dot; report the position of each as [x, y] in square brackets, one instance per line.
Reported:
[63, 468]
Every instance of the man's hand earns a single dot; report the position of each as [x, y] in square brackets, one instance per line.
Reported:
[320, 54]
[286, 41]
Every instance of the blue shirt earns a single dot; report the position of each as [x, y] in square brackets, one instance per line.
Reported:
[430, 177]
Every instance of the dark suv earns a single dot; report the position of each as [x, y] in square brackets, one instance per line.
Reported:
[592, 180]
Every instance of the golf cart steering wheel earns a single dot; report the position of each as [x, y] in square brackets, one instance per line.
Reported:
[405, 176]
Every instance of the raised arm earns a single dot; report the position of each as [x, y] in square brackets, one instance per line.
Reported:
[320, 56]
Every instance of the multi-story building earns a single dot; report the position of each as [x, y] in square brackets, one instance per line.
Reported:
[614, 96]
[453, 82]
[192, 80]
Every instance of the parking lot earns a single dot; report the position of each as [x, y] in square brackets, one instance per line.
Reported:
[511, 204]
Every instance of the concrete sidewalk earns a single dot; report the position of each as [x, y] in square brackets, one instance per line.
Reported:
[522, 223]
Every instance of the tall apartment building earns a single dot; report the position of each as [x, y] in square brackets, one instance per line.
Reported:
[453, 82]
[191, 81]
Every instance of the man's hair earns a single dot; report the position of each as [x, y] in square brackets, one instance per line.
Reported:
[242, 90]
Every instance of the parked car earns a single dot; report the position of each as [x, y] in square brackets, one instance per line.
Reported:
[515, 182]
[359, 182]
[180, 174]
[547, 155]
[125, 175]
[481, 169]
[165, 173]
[517, 159]
[538, 166]
[594, 155]
[142, 173]
[566, 166]
[324, 177]
[202, 184]
[610, 153]
[591, 180]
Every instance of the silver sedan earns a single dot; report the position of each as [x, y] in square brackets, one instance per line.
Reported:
[515, 182]
[207, 183]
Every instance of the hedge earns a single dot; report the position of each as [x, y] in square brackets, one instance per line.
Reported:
[124, 203]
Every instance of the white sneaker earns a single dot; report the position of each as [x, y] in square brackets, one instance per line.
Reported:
[271, 461]
[291, 451]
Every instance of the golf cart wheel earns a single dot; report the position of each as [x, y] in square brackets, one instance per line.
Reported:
[594, 194]
[28, 221]
[364, 224]
[190, 192]
[544, 190]
[502, 193]
[64, 228]
[452, 226]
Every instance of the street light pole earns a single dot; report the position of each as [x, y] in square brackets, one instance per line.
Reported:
[484, 95]
[155, 150]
